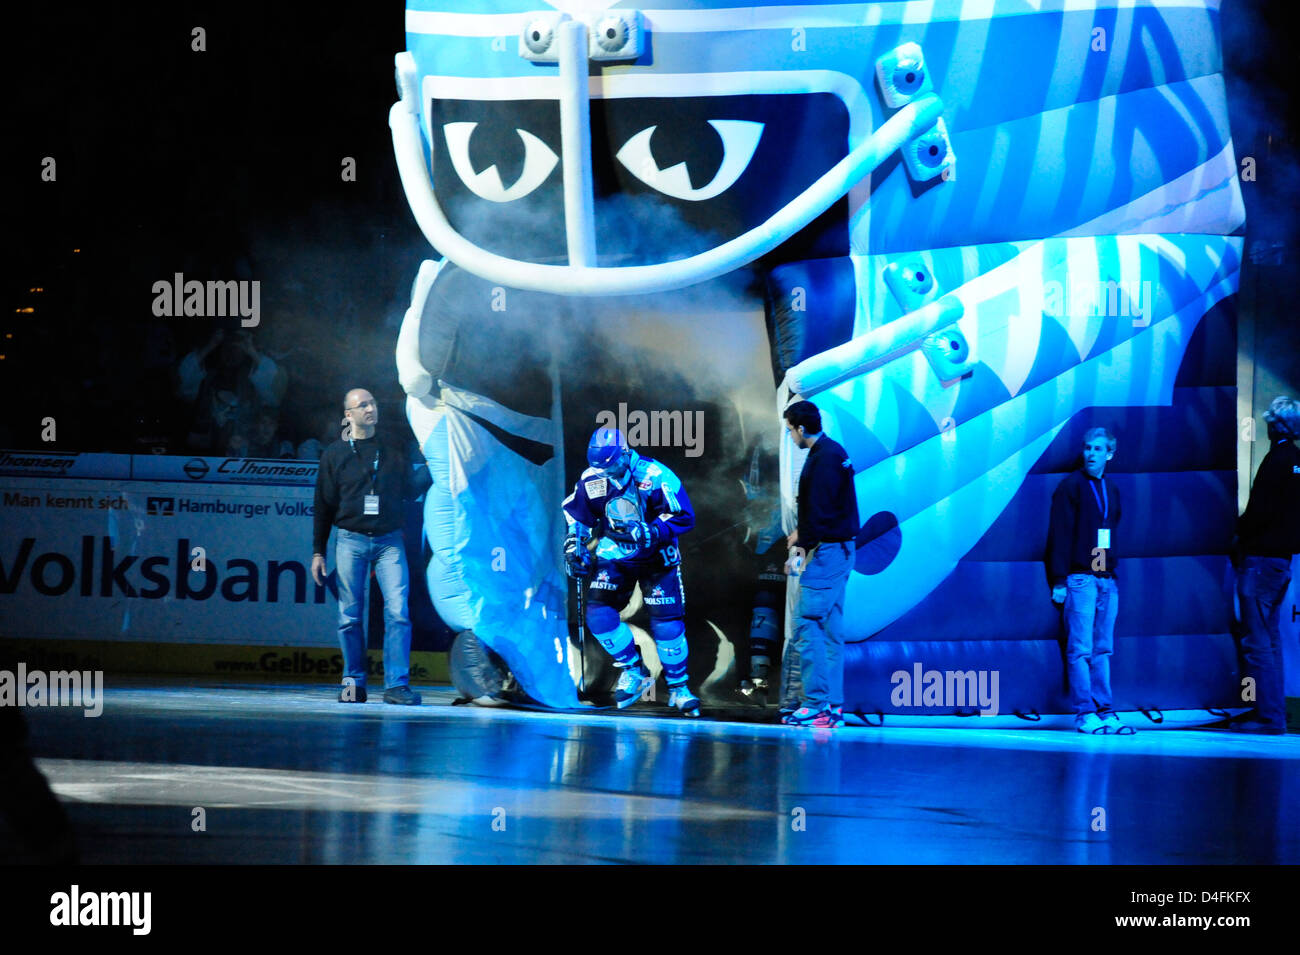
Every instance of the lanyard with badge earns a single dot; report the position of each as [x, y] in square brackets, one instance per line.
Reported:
[1103, 505]
[371, 503]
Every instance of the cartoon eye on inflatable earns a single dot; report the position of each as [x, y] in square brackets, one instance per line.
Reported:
[902, 75]
[932, 149]
[538, 36]
[911, 281]
[948, 353]
[539, 160]
[909, 74]
[611, 34]
[739, 140]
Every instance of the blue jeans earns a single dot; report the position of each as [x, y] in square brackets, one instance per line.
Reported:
[355, 554]
[819, 624]
[1261, 585]
[1091, 604]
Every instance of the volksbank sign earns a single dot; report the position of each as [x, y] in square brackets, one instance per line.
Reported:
[205, 550]
[99, 570]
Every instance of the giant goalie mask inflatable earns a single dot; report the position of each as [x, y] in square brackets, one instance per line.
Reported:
[974, 229]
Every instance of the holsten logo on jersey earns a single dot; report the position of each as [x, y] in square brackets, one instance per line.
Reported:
[53, 574]
[658, 597]
[602, 581]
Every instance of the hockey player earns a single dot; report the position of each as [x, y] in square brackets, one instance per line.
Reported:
[636, 508]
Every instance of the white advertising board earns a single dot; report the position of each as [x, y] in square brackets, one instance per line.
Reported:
[195, 559]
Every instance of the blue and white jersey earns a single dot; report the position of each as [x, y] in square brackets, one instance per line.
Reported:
[653, 494]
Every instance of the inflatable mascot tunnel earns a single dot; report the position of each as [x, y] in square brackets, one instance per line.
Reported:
[975, 228]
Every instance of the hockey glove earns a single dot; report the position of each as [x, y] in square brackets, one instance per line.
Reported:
[577, 560]
[641, 535]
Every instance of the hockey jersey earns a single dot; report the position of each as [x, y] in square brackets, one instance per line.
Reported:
[653, 494]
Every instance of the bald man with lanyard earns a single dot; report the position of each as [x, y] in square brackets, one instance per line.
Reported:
[360, 488]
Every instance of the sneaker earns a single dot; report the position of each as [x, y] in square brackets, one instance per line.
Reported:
[786, 708]
[402, 696]
[352, 693]
[832, 717]
[1090, 723]
[1115, 726]
[758, 676]
[683, 699]
[803, 716]
[631, 685]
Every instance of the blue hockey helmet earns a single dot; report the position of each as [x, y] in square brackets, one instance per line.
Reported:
[607, 451]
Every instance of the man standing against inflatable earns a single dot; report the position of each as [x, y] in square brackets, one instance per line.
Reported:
[1268, 535]
[1081, 561]
[635, 509]
[821, 554]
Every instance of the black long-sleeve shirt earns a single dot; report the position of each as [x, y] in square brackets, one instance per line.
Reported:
[1076, 517]
[345, 478]
[828, 504]
[1270, 527]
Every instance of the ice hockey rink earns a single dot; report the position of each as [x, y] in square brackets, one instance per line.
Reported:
[177, 773]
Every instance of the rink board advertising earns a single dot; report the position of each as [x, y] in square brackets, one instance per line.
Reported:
[121, 553]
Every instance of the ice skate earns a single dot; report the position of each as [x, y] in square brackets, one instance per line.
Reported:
[633, 682]
[683, 699]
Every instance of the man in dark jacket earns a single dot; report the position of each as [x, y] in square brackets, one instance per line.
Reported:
[1268, 535]
[360, 487]
[822, 551]
[1081, 562]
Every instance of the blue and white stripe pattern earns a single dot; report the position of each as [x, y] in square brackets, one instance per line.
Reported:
[1093, 219]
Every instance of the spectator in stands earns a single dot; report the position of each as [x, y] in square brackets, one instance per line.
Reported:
[230, 382]
[265, 440]
[328, 430]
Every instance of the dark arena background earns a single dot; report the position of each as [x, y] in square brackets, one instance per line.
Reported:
[969, 231]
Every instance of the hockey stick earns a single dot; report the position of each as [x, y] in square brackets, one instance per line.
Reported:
[582, 633]
[582, 615]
